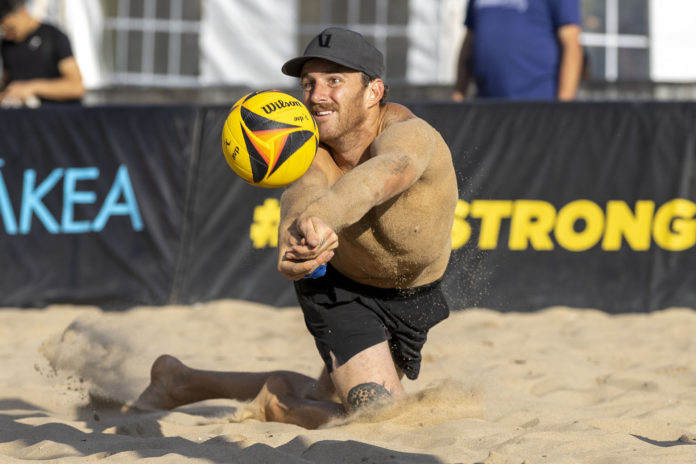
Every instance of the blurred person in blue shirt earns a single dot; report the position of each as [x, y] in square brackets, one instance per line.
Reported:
[521, 50]
[37, 60]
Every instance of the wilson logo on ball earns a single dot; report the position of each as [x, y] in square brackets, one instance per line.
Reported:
[271, 107]
[269, 138]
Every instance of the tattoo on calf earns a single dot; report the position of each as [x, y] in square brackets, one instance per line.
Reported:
[368, 394]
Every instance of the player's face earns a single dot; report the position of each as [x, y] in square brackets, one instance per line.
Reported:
[335, 95]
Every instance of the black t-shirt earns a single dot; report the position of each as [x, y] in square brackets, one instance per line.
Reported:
[37, 56]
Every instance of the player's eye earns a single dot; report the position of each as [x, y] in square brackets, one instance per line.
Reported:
[306, 85]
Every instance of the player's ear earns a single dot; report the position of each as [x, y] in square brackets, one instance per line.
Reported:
[375, 91]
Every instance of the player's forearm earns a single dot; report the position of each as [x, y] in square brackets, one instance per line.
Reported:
[338, 212]
[366, 186]
[335, 205]
[338, 206]
[296, 199]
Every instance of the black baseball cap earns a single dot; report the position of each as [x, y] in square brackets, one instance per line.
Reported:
[343, 46]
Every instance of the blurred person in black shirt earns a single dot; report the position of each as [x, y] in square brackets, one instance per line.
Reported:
[38, 65]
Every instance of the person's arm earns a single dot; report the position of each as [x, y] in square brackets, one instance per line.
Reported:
[66, 87]
[464, 68]
[571, 61]
[312, 185]
[399, 157]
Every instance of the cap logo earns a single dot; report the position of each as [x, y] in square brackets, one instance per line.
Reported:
[324, 40]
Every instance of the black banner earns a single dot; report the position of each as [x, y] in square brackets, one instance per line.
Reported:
[232, 230]
[91, 202]
[578, 204]
[582, 204]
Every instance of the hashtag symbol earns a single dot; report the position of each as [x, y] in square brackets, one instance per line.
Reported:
[264, 230]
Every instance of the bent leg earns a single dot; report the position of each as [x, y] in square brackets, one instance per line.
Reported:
[368, 378]
[173, 384]
[281, 396]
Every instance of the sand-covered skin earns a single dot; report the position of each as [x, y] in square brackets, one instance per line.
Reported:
[555, 386]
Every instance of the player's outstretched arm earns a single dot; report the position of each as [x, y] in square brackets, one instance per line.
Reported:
[315, 238]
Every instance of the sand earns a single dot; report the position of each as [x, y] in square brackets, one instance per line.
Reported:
[555, 386]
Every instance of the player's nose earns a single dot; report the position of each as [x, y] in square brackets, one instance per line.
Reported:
[319, 93]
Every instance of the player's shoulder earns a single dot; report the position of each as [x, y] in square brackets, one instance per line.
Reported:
[394, 112]
[394, 115]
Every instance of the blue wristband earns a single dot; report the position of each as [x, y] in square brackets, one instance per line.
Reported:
[318, 272]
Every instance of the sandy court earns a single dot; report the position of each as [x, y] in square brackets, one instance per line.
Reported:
[555, 386]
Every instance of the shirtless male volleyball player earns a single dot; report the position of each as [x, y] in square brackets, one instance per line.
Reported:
[377, 207]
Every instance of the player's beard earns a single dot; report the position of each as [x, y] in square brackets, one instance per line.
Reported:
[348, 117]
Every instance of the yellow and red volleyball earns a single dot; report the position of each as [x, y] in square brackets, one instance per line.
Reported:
[269, 138]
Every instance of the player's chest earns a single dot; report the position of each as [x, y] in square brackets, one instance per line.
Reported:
[391, 226]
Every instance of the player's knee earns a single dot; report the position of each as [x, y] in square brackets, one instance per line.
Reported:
[165, 365]
[277, 388]
[279, 383]
[368, 395]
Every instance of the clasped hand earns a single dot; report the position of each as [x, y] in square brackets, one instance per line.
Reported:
[307, 244]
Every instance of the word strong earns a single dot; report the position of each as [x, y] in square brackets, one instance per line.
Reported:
[578, 225]
[119, 201]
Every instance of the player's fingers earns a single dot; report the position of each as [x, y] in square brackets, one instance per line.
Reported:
[296, 270]
[309, 232]
[293, 240]
[328, 242]
[300, 252]
[304, 253]
[325, 257]
[331, 242]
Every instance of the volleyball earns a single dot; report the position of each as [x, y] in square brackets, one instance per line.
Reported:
[269, 138]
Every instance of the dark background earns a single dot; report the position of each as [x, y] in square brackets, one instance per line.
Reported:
[196, 244]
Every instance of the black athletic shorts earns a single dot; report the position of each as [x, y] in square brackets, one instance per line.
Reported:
[346, 317]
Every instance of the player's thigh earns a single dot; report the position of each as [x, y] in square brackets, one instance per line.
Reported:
[371, 368]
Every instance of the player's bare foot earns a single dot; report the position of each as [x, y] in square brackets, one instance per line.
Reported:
[278, 401]
[167, 389]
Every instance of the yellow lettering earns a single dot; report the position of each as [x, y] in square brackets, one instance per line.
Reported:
[531, 223]
[461, 230]
[621, 222]
[491, 213]
[565, 232]
[674, 228]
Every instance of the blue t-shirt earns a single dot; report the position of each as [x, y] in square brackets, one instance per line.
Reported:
[516, 52]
